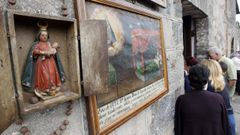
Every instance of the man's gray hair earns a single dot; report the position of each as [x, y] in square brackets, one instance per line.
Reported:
[215, 50]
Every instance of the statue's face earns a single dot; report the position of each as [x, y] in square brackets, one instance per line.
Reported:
[43, 36]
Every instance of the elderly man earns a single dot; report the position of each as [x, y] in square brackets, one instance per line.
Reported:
[231, 74]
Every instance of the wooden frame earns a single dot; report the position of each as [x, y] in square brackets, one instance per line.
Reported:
[8, 104]
[66, 31]
[92, 100]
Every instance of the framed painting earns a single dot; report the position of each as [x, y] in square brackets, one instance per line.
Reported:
[45, 60]
[136, 61]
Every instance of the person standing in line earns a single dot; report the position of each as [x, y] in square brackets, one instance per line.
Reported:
[231, 74]
[189, 61]
[217, 84]
[200, 112]
[236, 61]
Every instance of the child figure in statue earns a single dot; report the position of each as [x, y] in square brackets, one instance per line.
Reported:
[48, 72]
[54, 46]
[52, 49]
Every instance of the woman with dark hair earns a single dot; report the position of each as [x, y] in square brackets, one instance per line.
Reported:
[200, 112]
[189, 61]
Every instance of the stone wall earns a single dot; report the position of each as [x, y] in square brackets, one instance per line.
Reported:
[233, 36]
[237, 39]
[158, 118]
[219, 26]
[202, 32]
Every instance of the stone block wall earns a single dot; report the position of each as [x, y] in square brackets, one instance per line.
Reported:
[219, 28]
[202, 41]
[157, 119]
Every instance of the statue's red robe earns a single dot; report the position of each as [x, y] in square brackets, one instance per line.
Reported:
[46, 74]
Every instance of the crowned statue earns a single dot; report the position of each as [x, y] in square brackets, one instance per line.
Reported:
[43, 73]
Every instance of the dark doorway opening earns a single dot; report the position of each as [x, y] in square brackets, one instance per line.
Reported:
[189, 36]
[192, 17]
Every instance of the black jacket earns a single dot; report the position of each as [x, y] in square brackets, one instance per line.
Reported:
[201, 113]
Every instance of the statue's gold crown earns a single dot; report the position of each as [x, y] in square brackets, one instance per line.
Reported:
[42, 25]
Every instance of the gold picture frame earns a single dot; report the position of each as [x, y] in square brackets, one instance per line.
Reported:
[160, 86]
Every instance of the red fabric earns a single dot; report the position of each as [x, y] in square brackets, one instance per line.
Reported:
[46, 73]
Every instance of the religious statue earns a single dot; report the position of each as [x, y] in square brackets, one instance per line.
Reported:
[43, 72]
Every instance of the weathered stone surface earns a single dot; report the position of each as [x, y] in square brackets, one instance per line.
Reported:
[217, 29]
[202, 4]
[175, 66]
[221, 26]
[202, 43]
[50, 7]
[177, 34]
[167, 33]
[177, 6]
[173, 36]
[3, 4]
[162, 115]
[142, 127]
[49, 120]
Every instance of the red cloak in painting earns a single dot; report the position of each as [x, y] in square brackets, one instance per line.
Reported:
[46, 73]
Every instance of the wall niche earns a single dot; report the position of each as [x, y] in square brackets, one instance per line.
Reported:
[46, 71]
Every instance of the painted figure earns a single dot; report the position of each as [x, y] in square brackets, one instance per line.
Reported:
[146, 53]
[43, 71]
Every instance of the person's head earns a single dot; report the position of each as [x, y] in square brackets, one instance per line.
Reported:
[216, 74]
[190, 61]
[223, 66]
[43, 36]
[198, 76]
[215, 53]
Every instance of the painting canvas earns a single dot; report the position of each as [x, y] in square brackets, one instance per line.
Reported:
[137, 74]
[134, 50]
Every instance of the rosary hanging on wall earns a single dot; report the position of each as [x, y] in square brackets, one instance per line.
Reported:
[62, 127]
